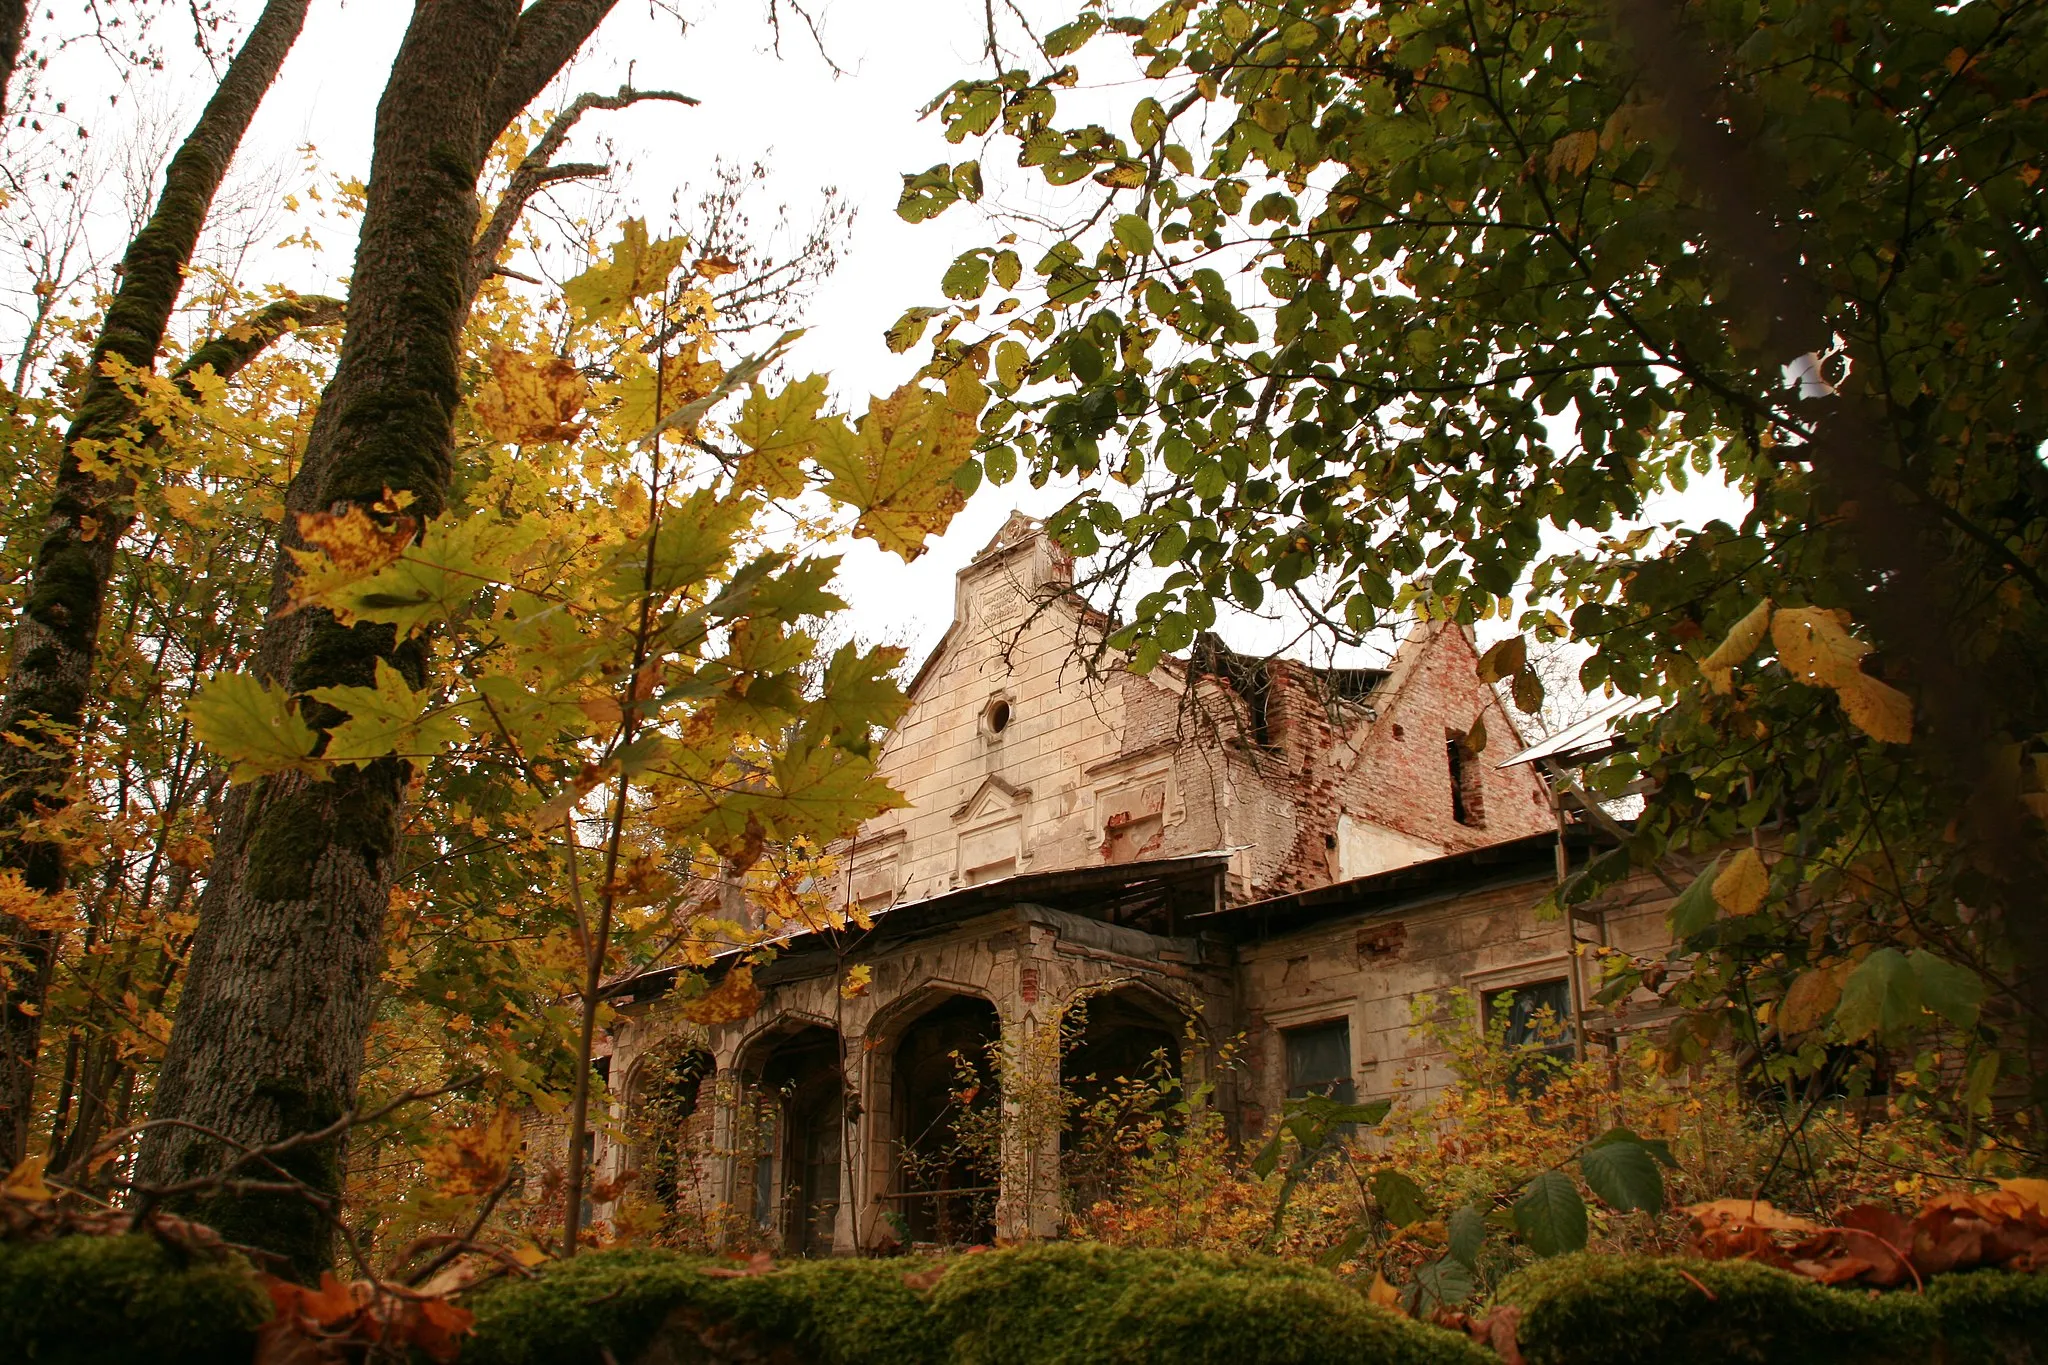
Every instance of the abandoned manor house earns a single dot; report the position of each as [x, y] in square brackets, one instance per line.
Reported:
[1242, 870]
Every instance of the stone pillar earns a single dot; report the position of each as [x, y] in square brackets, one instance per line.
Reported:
[1028, 1208]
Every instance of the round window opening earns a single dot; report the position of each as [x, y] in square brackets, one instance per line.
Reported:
[998, 716]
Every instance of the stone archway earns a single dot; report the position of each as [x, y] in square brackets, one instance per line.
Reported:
[668, 1127]
[1122, 1065]
[796, 1102]
[938, 1126]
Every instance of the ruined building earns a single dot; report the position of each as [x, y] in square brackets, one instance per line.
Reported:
[1224, 851]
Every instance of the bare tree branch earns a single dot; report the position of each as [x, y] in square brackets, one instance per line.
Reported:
[536, 173]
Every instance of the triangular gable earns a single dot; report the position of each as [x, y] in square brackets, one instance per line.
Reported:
[992, 794]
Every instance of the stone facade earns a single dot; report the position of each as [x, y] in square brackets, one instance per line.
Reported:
[1094, 868]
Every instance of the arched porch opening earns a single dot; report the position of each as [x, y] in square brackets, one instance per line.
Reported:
[1121, 1071]
[668, 1111]
[798, 1113]
[946, 1125]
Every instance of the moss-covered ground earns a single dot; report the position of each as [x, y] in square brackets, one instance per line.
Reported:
[84, 1300]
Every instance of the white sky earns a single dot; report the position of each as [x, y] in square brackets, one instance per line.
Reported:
[858, 132]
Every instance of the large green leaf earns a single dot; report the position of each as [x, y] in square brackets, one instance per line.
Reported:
[1696, 907]
[1550, 1215]
[1880, 997]
[1466, 1228]
[1624, 1174]
[254, 726]
[1398, 1196]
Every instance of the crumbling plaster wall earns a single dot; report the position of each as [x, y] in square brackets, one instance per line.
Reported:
[1372, 970]
[1027, 749]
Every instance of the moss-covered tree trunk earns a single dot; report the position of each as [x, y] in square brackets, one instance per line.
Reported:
[269, 1035]
[57, 634]
[13, 33]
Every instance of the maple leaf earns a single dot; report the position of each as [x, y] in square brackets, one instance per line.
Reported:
[436, 579]
[734, 998]
[896, 467]
[253, 725]
[348, 546]
[781, 431]
[473, 1161]
[386, 719]
[531, 398]
[637, 267]
[37, 909]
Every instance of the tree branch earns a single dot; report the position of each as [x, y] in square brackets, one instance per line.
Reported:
[536, 173]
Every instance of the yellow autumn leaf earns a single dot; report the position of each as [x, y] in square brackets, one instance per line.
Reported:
[347, 547]
[1814, 646]
[1742, 885]
[1743, 638]
[531, 398]
[895, 467]
[473, 1161]
[1573, 153]
[731, 1000]
[858, 979]
[1383, 1294]
[37, 909]
[1877, 709]
[1811, 997]
[2031, 1191]
[26, 1181]
[781, 431]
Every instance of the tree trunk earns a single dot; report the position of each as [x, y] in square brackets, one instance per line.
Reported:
[57, 634]
[269, 1035]
[13, 32]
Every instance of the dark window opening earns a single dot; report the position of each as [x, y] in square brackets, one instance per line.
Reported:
[998, 716]
[1468, 798]
[1534, 1020]
[1319, 1062]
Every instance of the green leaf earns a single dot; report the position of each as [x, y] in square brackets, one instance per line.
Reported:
[967, 277]
[1268, 1159]
[389, 718]
[1398, 1196]
[1550, 1215]
[859, 693]
[1069, 37]
[1949, 989]
[1696, 908]
[1624, 1174]
[1467, 1231]
[254, 726]
[1880, 997]
[1345, 1246]
[1148, 122]
[1008, 268]
[1133, 234]
[1443, 1283]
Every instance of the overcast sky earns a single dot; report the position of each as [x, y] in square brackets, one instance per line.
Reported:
[858, 131]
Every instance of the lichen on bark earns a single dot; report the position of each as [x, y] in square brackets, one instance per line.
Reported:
[57, 634]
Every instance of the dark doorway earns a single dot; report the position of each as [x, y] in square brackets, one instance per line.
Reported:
[947, 1117]
[666, 1097]
[1121, 1072]
[803, 1127]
